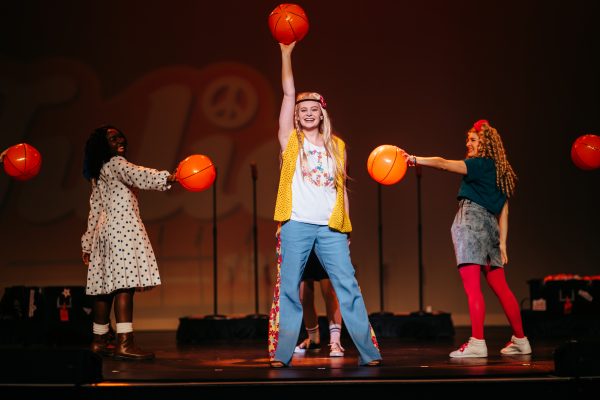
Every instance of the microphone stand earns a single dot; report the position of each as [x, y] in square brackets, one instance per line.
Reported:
[380, 252]
[215, 315]
[418, 173]
[254, 175]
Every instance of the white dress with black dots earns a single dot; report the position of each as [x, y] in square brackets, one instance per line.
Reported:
[121, 255]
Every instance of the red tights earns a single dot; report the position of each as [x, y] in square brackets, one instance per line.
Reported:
[497, 281]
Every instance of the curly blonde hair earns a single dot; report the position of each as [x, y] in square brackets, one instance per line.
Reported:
[491, 146]
[325, 129]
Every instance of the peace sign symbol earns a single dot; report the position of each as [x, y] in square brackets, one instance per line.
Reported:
[230, 102]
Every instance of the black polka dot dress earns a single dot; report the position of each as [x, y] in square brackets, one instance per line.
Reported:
[121, 255]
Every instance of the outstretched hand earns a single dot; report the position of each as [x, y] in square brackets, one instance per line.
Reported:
[411, 161]
[287, 48]
[173, 177]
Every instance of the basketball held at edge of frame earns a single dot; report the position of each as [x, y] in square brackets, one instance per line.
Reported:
[386, 164]
[22, 161]
[288, 23]
[196, 173]
[585, 152]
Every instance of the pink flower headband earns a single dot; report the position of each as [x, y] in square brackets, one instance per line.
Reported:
[321, 101]
[477, 125]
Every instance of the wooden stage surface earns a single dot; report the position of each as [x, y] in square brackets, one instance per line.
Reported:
[420, 368]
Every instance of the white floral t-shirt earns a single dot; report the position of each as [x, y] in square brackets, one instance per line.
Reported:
[313, 186]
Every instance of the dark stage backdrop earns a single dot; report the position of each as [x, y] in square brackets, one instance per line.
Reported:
[187, 77]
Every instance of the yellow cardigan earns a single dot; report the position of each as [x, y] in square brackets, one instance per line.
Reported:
[339, 220]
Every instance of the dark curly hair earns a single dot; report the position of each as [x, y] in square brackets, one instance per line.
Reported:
[97, 152]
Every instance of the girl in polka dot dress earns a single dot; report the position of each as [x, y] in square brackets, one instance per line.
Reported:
[115, 246]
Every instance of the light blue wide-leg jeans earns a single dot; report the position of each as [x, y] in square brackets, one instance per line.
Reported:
[331, 247]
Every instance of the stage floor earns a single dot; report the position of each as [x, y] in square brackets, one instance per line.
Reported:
[409, 366]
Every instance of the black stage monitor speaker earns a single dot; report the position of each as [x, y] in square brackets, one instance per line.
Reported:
[49, 365]
[578, 358]
[57, 315]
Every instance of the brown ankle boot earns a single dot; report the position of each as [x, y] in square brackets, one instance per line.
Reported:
[126, 349]
[101, 345]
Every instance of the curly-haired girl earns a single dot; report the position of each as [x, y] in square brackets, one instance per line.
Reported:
[479, 232]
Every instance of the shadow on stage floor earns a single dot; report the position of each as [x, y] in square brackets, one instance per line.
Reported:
[417, 367]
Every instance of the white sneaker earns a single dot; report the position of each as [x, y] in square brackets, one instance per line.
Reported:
[517, 346]
[472, 349]
[307, 345]
[336, 350]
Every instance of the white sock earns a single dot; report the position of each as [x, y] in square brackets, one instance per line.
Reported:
[100, 329]
[313, 334]
[476, 342]
[124, 327]
[335, 331]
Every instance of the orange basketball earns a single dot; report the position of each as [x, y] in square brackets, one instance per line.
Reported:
[386, 164]
[585, 152]
[196, 173]
[288, 23]
[22, 161]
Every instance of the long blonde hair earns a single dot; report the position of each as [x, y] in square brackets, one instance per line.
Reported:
[324, 129]
[491, 146]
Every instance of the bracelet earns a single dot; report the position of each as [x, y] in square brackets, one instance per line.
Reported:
[413, 160]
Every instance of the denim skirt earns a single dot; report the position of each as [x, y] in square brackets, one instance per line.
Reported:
[475, 235]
